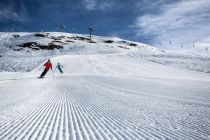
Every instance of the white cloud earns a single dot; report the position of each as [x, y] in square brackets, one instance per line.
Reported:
[105, 5]
[183, 22]
[8, 14]
[89, 4]
[203, 43]
[97, 5]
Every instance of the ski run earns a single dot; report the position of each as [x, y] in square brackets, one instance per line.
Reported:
[106, 95]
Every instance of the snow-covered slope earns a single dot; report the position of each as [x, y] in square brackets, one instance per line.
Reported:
[35, 48]
[113, 64]
[112, 89]
[105, 97]
[21, 52]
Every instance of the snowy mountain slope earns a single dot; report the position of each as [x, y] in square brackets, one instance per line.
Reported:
[33, 49]
[115, 64]
[199, 63]
[109, 96]
[107, 92]
[21, 52]
[71, 43]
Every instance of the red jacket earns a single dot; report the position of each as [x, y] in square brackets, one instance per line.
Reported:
[48, 66]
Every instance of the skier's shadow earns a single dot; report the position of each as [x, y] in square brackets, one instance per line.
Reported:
[15, 79]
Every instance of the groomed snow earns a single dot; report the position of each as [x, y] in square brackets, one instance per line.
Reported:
[105, 93]
[105, 97]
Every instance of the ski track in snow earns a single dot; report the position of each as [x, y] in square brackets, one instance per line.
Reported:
[82, 107]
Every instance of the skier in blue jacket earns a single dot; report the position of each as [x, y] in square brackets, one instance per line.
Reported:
[59, 67]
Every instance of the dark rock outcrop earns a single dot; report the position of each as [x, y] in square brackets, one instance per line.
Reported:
[35, 46]
[133, 44]
[16, 36]
[40, 35]
[108, 41]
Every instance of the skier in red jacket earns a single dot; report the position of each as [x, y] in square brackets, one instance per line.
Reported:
[47, 66]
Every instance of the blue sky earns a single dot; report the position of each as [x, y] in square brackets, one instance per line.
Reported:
[155, 22]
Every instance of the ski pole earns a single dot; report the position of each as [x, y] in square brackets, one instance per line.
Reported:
[53, 74]
[37, 69]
